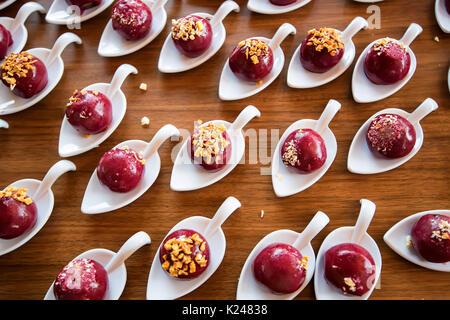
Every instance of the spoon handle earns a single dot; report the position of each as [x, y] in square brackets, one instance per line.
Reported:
[119, 77]
[283, 31]
[317, 223]
[226, 209]
[244, 117]
[413, 31]
[425, 108]
[365, 217]
[354, 27]
[24, 12]
[158, 4]
[225, 8]
[60, 44]
[327, 115]
[158, 139]
[57, 170]
[136, 241]
[4, 124]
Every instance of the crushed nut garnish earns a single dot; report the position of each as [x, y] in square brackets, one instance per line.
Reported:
[408, 241]
[384, 131]
[145, 121]
[17, 65]
[254, 48]
[385, 43]
[134, 154]
[143, 86]
[289, 156]
[436, 39]
[186, 28]
[327, 38]
[443, 233]
[304, 262]
[350, 283]
[208, 141]
[17, 194]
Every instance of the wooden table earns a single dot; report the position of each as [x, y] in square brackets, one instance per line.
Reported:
[30, 147]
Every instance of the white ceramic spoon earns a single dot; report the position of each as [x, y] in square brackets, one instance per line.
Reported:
[287, 181]
[6, 3]
[232, 88]
[114, 264]
[397, 238]
[60, 12]
[98, 198]
[266, 7]
[357, 235]
[10, 103]
[171, 60]
[72, 142]
[16, 25]
[4, 124]
[250, 289]
[42, 195]
[361, 160]
[442, 16]
[364, 90]
[161, 286]
[189, 176]
[112, 44]
[299, 77]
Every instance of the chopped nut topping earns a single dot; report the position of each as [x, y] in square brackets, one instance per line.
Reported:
[137, 156]
[290, 156]
[255, 48]
[436, 38]
[145, 122]
[186, 29]
[16, 65]
[444, 231]
[17, 194]
[327, 38]
[143, 86]
[385, 43]
[304, 262]
[351, 284]
[208, 142]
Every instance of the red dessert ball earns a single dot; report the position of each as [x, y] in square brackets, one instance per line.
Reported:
[391, 136]
[132, 19]
[184, 254]
[280, 267]
[210, 146]
[84, 4]
[89, 112]
[350, 268]
[430, 236]
[282, 2]
[304, 150]
[81, 279]
[387, 62]
[321, 50]
[192, 35]
[18, 213]
[24, 74]
[6, 41]
[251, 60]
[120, 169]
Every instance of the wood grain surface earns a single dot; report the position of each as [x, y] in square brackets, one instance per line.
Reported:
[30, 147]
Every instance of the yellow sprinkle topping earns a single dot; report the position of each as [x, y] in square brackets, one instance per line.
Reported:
[16, 65]
[254, 49]
[208, 141]
[327, 38]
[186, 28]
[17, 194]
[386, 43]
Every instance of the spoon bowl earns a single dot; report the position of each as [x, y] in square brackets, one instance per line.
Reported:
[114, 263]
[364, 90]
[232, 88]
[161, 286]
[188, 176]
[287, 181]
[361, 160]
[357, 235]
[171, 60]
[442, 16]
[112, 44]
[299, 77]
[60, 12]
[250, 289]
[72, 142]
[265, 7]
[396, 239]
[42, 195]
[10, 103]
[98, 198]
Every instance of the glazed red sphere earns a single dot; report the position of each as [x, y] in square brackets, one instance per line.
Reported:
[350, 268]
[35, 78]
[282, 2]
[321, 50]
[304, 150]
[192, 35]
[251, 60]
[280, 267]
[387, 62]
[84, 4]
[430, 237]
[6, 41]
[120, 169]
[81, 279]
[184, 254]
[391, 136]
[89, 112]
[210, 147]
[18, 213]
[132, 19]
